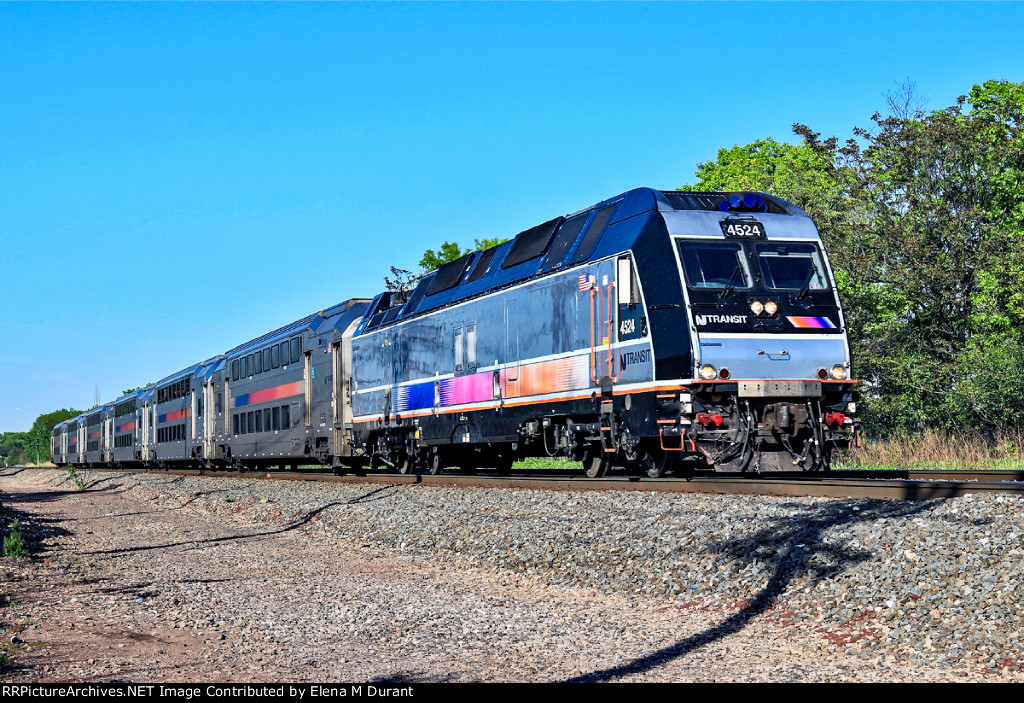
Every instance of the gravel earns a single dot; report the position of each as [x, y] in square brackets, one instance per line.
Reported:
[836, 590]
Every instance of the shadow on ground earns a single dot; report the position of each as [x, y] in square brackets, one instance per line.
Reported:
[294, 525]
[794, 548]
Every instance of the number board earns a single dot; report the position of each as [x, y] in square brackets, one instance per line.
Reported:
[632, 323]
[743, 228]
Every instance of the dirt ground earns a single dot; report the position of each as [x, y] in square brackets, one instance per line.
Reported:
[126, 587]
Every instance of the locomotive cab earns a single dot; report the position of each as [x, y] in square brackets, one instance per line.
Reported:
[771, 362]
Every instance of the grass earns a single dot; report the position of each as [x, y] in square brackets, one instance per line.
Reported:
[934, 449]
[537, 463]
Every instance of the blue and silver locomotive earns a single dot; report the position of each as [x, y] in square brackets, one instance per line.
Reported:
[654, 331]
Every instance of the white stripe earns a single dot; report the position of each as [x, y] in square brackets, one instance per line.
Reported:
[525, 362]
[768, 337]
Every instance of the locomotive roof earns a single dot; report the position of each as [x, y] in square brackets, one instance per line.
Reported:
[575, 239]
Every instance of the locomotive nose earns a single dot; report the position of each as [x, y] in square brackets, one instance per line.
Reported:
[777, 357]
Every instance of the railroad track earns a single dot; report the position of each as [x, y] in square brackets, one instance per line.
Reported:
[904, 485]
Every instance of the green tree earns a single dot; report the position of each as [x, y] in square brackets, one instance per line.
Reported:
[942, 248]
[12, 447]
[20, 447]
[449, 251]
[923, 218]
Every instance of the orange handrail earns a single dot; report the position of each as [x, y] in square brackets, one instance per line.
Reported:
[611, 336]
[593, 345]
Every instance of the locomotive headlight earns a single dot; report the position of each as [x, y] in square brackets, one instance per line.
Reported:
[851, 408]
[838, 372]
[708, 372]
[771, 307]
[756, 307]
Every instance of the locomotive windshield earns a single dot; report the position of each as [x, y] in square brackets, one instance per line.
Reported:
[710, 264]
[791, 266]
[728, 265]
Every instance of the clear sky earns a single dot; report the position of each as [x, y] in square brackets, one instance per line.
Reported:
[176, 179]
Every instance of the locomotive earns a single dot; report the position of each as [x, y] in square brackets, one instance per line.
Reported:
[655, 331]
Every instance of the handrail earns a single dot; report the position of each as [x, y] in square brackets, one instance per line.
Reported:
[611, 336]
[593, 345]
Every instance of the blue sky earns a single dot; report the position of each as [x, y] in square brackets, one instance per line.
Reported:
[178, 178]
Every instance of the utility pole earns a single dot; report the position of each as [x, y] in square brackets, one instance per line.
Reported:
[37, 451]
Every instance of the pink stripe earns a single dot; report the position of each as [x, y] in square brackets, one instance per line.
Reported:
[276, 392]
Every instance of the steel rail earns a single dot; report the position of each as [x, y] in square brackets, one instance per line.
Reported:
[902, 485]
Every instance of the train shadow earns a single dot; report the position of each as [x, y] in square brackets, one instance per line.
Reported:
[305, 519]
[796, 549]
[34, 529]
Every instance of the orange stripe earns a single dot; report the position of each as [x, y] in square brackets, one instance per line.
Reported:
[735, 380]
[555, 399]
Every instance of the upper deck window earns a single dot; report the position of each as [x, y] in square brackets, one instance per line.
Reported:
[792, 266]
[714, 264]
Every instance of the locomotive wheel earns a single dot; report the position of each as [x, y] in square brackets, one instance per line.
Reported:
[407, 463]
[435, 464]
[503, 463]
[596, 462]
[657, 462]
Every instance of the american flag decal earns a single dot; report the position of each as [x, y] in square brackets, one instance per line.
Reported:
[584, 282]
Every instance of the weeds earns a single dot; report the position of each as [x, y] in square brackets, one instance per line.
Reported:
[933, 449]
[14, 543]
[76, 478]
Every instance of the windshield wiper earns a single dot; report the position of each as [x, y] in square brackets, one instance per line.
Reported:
[727, 291]
[806, 288]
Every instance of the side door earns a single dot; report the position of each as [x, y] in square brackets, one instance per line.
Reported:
[510, 375]
[211, 416]
[603, 303]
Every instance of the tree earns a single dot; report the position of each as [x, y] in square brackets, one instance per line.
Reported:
[42, 430]
[923, 218]
[942, 251]
[449, 251]
[12, 448]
